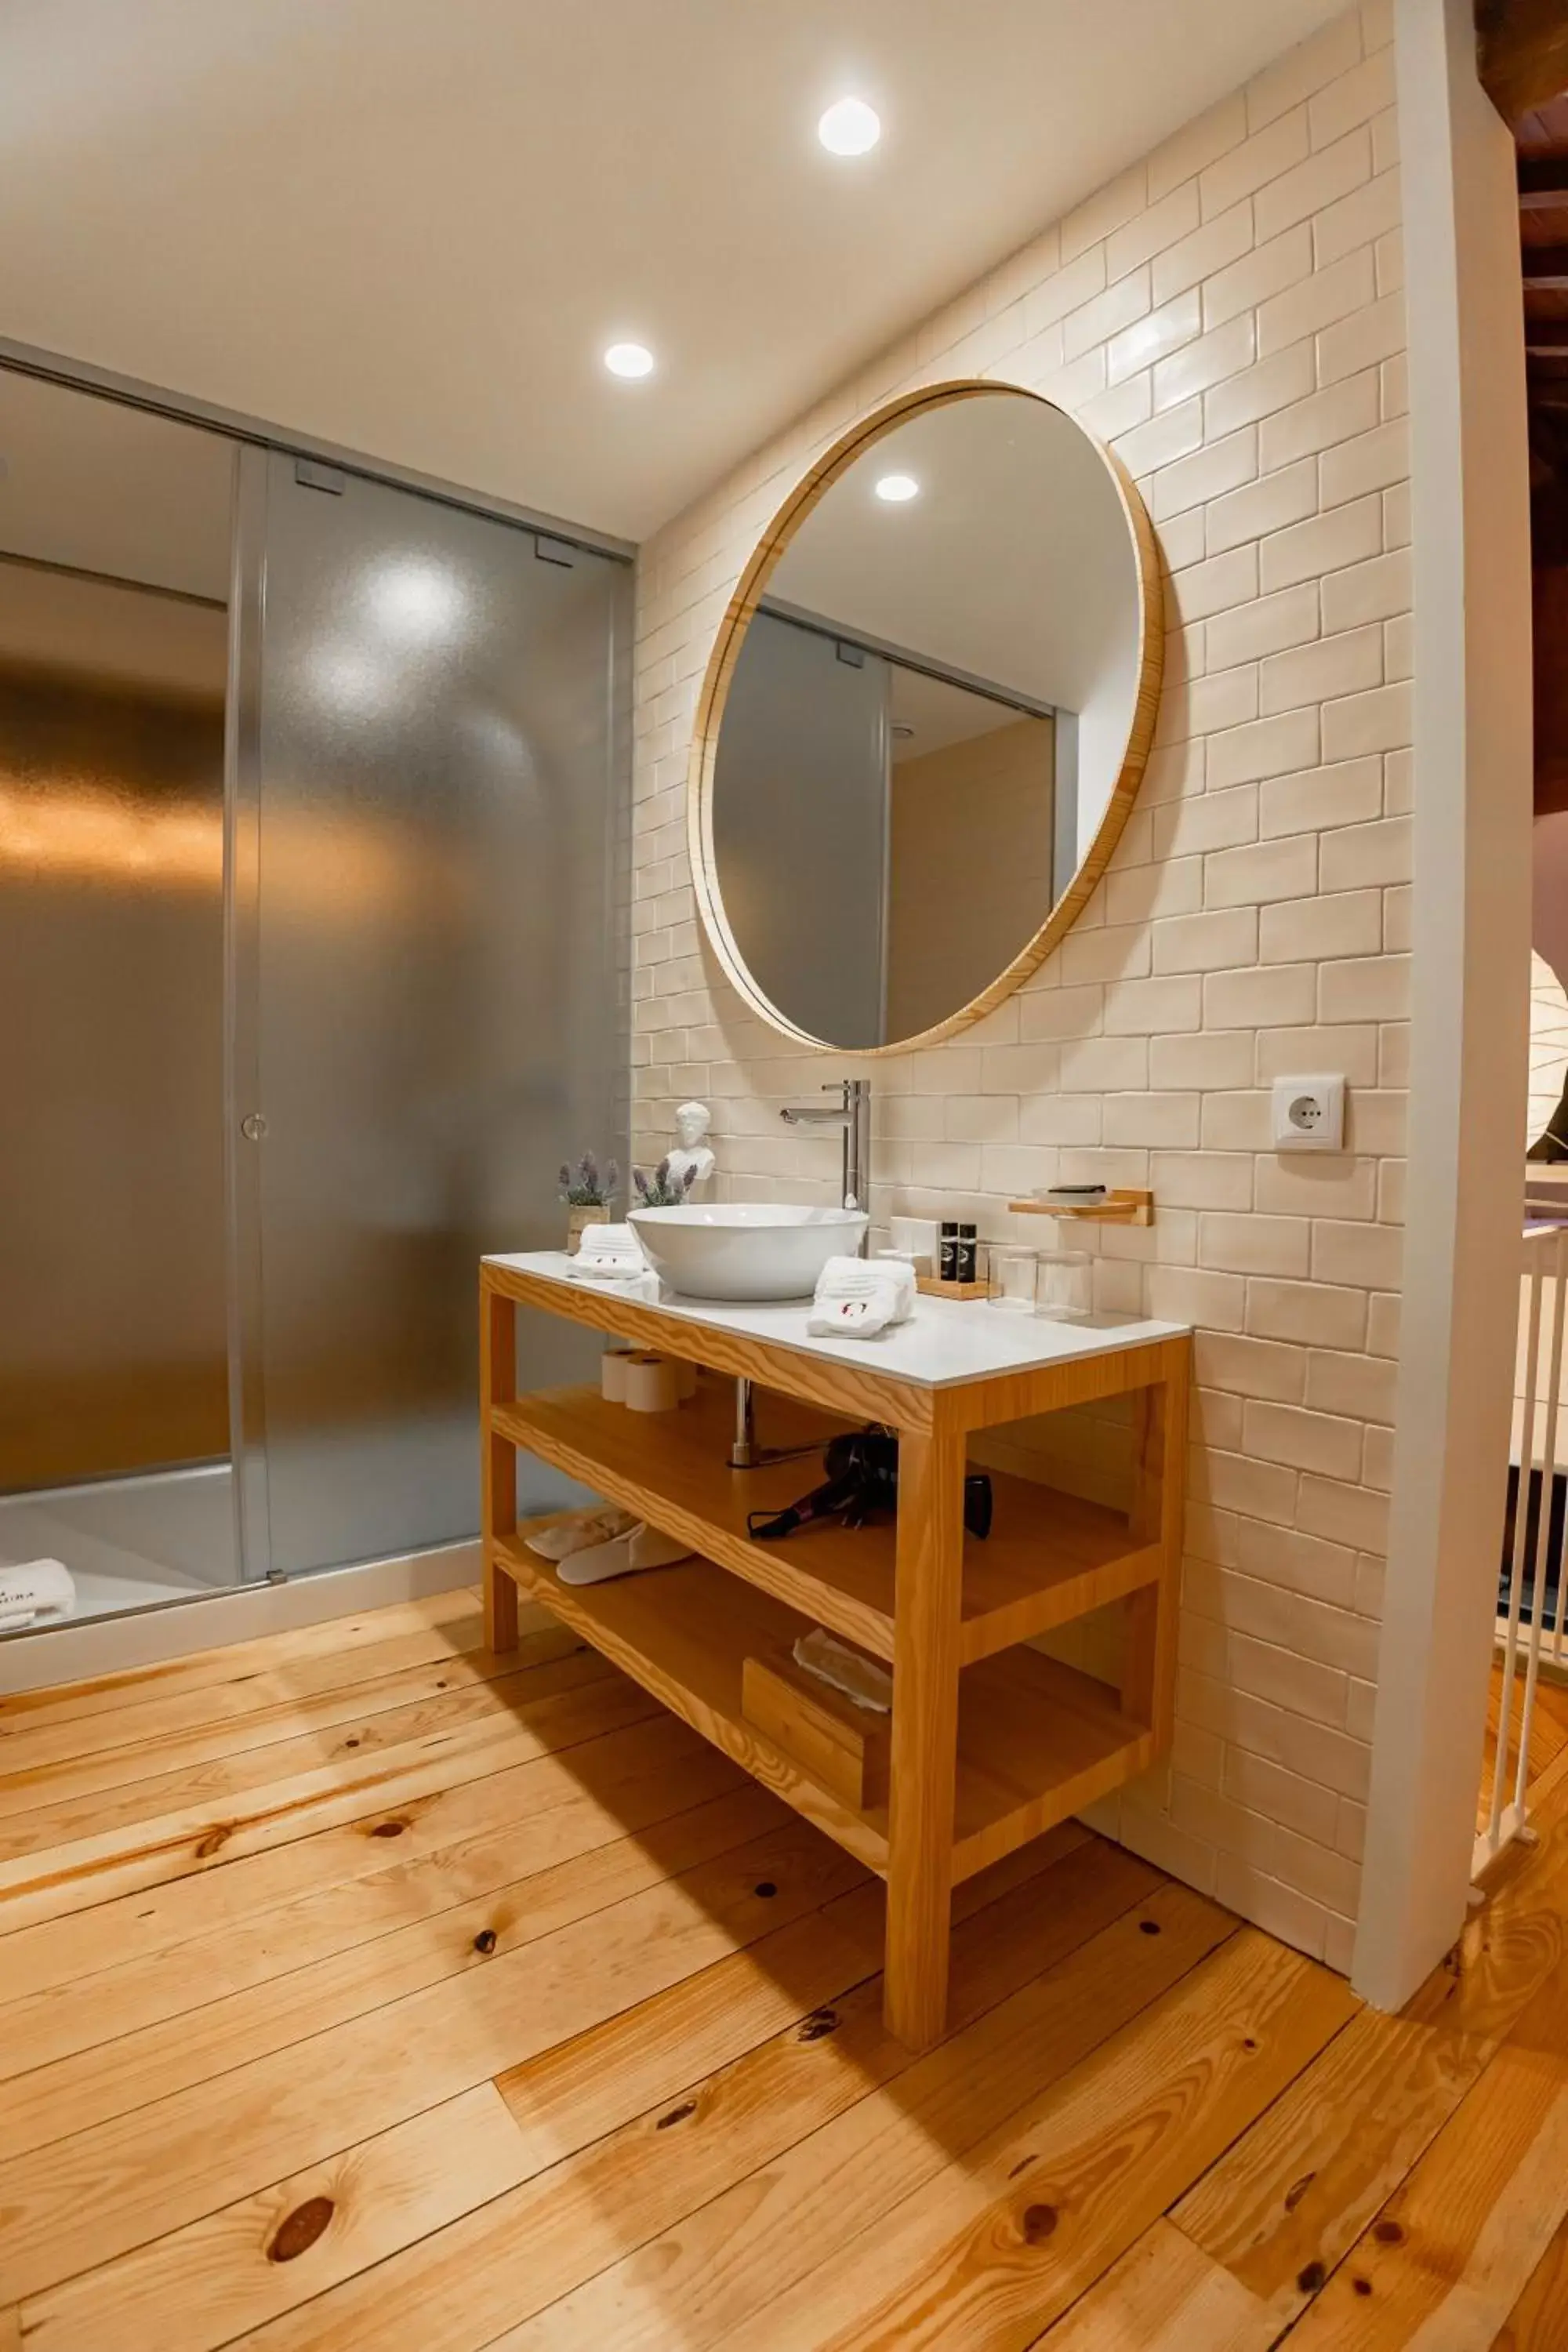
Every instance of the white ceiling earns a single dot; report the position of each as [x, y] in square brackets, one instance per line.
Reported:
[411, 226]
[1014, 564]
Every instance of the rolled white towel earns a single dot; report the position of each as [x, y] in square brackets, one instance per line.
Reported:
[856, 1297]
[614, 1254]
[37, 1591]
[609, 1249]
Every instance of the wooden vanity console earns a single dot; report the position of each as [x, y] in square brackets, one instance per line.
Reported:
[992, 1742]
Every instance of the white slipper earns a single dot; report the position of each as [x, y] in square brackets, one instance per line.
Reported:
[576, 1534]
[645, 1546]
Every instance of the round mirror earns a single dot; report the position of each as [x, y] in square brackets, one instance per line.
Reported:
[925, 719]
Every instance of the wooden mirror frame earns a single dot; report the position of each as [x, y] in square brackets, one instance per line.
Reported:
[726, 653]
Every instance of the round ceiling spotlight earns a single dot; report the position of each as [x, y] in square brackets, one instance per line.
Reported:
[629, 360]
[897, 489]
[851, 127]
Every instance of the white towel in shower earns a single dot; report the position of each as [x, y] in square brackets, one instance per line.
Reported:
[856, 1296]
[39, 1591]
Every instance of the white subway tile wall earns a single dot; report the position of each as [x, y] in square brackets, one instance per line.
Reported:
[1253, 919]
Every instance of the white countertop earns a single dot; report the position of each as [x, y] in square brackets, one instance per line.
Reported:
[946, 1341]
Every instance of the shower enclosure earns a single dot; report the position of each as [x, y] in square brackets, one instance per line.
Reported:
[311, 839]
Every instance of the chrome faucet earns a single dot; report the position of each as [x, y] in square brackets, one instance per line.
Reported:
[852, 1113]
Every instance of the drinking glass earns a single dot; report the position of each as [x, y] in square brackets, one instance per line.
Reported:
[1064, 1285]
[1013, 1278]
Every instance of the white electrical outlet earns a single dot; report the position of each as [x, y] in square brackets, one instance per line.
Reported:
[1309, 1114]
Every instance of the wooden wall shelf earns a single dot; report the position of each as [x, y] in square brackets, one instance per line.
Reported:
[990, 1742]
[1125, 1206]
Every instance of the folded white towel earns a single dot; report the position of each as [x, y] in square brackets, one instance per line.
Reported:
[856, 1296]
[614, 1254]
[38, 1590]
[610, 1249]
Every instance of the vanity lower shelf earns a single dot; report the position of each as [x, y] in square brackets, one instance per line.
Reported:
[1037, 1740]
[1050, 1558]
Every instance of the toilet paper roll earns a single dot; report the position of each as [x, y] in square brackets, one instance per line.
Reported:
[685, 1379]
[612, 1366]
[651, 1384]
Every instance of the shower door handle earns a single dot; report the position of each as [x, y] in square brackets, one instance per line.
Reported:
[253, 1127]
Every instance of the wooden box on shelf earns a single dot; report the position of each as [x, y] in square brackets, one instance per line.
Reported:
[844, 1747]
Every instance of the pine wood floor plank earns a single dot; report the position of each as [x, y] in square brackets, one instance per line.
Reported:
[991, 2250]
[555, 1805]
[336, 1637]
[50, 2102]
[94, 1870]
[31, 1777]
[1282, 2206]
[69, 2022]
[649, 2058]
[213, 1704]
[224, 1778]
[201, 2286]
[83, 2200]
[699, 2137]
[1453, 2250]
[1538, 2320]
[727, 2267]
[1164, 2295]
[459, 2288]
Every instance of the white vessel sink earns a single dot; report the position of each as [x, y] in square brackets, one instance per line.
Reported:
[746, 1249]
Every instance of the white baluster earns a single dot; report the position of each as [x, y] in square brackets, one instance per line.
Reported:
[1516, 1573]
[1541, 1559]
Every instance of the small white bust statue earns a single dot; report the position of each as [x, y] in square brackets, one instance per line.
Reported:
[693, 1121]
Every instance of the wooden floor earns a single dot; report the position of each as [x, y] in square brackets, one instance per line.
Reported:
[360, 1989]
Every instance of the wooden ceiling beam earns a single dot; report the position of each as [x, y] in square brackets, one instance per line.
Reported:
[1522, 49]
[1543, 183]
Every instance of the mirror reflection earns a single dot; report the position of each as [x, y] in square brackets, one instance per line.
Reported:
[930, 721]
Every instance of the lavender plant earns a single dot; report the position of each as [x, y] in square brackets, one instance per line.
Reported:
[661, 1190]
[582, 1187]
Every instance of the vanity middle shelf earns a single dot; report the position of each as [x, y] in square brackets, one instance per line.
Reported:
[1050, 1558]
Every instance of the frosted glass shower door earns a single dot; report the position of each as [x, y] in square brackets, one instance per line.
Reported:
[425, 982]
[802, 851]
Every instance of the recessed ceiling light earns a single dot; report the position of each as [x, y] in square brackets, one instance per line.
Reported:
[898, 487]
[629, 360]
[851, 127]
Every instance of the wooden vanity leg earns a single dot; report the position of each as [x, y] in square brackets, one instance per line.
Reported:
[1159, 1447]
[925, 1733]
[498, 1461]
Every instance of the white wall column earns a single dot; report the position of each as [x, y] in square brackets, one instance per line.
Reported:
[1469, 473]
